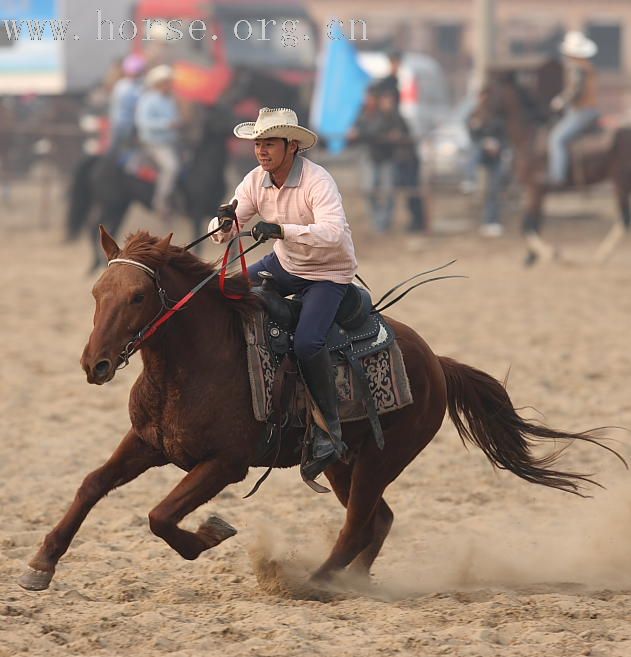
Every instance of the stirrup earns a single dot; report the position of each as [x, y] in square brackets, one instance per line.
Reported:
[317, 467]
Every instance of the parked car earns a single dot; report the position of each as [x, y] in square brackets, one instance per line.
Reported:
[447, 149]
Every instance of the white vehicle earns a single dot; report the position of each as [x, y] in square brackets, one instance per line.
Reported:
[443, 139]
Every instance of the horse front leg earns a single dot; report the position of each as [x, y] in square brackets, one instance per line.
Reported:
[131, 458]
[201, 484]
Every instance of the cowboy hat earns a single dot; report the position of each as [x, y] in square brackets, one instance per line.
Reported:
[278, 122]
[158, 74]
[576, 44]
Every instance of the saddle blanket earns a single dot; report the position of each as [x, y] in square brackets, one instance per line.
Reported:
[385, 371]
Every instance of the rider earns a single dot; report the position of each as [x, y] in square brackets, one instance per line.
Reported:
[123, 102]
[578, 101]
[313, 255]
[157, 120]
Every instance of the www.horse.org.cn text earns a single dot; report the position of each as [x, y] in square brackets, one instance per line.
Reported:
[289, 32]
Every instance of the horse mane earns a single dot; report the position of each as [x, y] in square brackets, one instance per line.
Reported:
[141, 246]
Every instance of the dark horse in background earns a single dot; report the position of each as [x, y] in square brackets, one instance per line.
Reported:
[192, 406]
[595, 158]
[102, 191]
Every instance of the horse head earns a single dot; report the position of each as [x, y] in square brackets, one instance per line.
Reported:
[126, 301]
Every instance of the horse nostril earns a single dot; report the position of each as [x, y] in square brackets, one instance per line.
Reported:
[102, 367]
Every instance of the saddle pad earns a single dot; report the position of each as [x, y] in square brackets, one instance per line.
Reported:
[592, 143]
[385, 371]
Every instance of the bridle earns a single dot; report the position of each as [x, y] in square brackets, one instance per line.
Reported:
[167, 307]
[141, 335]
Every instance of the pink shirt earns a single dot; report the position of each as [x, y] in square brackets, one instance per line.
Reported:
[318, 244]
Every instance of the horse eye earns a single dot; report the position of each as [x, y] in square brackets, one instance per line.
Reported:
[138, 298]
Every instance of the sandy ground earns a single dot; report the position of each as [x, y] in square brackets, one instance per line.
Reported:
[479, 563]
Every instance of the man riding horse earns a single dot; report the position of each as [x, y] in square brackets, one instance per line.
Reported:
[578, 101]
[313, 254]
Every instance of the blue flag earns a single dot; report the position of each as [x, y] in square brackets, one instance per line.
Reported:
[339, 92]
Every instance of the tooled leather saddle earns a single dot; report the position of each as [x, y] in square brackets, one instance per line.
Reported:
[357, 331]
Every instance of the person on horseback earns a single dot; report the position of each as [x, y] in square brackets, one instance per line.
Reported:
[578, 102]
[158, 120]
[123, 102]
[313, 254]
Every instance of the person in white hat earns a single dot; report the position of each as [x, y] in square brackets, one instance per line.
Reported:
[578, 102]
[313, 252]
[157, 121]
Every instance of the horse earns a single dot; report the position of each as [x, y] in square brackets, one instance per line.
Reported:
[191, 406]
[608, 158]
[101, 183]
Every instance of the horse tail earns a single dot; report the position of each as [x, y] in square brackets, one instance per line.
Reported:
[484, 415]
[80, 200]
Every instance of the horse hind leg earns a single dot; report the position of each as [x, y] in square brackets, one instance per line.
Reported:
[362, 493]
[381, 525]
[618, 230]
[339, 476]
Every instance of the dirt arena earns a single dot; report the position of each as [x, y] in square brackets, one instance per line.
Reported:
[479, 563]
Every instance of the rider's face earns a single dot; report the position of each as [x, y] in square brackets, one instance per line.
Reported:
[270, 153]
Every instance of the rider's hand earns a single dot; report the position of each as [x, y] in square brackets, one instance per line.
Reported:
[264, 230]
[226, 214]
[557, 103]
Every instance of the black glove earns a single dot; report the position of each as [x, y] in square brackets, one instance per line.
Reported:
[226, 215]
[264, 230]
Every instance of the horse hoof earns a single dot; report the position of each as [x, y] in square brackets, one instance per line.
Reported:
[35, 580]
[321, 577]
[216, 529]
[530, 259]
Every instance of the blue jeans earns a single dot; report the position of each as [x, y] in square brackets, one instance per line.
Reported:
[381, 179]
[564, 132]
[320, 303]
[408, 173]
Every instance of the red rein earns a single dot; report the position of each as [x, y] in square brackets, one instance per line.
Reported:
[244, 269]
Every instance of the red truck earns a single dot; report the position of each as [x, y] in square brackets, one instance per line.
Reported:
[269, 48]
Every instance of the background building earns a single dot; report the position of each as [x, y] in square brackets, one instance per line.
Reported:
[444, 29]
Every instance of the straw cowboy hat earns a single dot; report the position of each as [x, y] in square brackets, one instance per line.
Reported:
[158, 74]
[576, 44]
[279, 122]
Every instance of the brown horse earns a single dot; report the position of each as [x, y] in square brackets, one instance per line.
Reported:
[192, 406]
[607, 157]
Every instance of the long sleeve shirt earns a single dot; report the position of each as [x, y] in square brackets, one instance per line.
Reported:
[317, 242]
[155, 117]
[580, 85]
[123, 103]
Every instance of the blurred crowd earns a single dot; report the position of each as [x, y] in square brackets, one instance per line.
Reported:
[145, 122]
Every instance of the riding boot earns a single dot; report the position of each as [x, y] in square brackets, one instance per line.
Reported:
[326, 448]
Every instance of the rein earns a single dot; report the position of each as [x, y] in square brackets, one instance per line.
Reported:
[167, 311]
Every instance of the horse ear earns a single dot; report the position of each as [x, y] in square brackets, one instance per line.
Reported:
[108, 243]
[164, 243]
